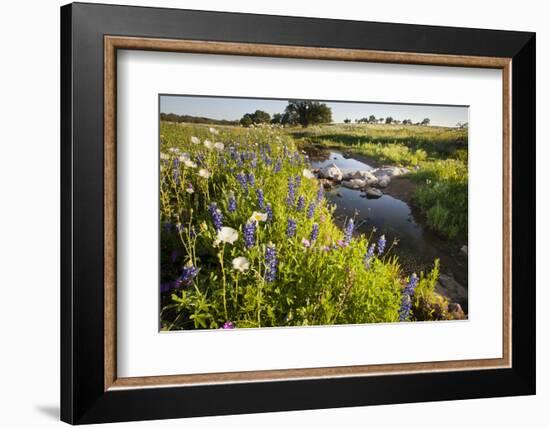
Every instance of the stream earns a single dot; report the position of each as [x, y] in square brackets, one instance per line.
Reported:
[418, 245]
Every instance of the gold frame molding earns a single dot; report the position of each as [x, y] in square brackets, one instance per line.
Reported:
[113, 43]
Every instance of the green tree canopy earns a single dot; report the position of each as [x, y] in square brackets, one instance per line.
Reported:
[259, 116]
[307, 112]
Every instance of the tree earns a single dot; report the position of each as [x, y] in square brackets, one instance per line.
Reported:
[308, 112]
[247, 120]
[259, 116]
[425, 121]
[407, 122]
[372, 119]
[346, 120]
[277, 118]
[389, 120]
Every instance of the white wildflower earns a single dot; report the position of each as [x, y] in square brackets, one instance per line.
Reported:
[164, 156]
[241, 264]
[213, 131]
[257, 217]
[189, 163]
[204, 173]
[195, 140]
[208, 144]
[227, 234]
[219, 146]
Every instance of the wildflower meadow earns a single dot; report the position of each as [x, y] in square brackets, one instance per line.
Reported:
[248, 239]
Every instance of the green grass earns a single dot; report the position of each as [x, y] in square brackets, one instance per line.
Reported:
[317, 282]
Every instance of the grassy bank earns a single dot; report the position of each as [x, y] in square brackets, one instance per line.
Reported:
[438, 156]
[248, 240]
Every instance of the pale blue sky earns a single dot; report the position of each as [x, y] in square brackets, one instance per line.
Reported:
[235, 108]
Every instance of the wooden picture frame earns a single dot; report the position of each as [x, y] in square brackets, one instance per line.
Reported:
[91, 390]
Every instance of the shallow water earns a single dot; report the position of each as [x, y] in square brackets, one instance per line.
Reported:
[417, 245]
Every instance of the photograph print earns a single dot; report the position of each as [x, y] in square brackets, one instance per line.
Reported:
[294, 213]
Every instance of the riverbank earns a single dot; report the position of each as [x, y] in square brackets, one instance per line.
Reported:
[394, 214]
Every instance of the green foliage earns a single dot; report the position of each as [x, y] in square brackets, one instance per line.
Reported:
[325, 281]
[443, 196]
[307, 113]
[259, 116]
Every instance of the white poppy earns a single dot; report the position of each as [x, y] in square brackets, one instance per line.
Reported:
[219, 146]
[190, 164]
[189, 189]
[174, 150]
[164, 156]
[204, 173]
[195, 140]
[184, 157]
[241, 264]
[208, 144]
[213, 131]
[308, 174]
[257, 217]
[227, 234]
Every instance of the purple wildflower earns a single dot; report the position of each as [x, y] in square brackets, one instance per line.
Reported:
[368, 256]
[241, 178]
[314, 232]
[232, 204]
[406, 301]
[261, 201]
[300, 204]
[269, 212]
[249, 234]
[216, 214]
[290, 228]
[188, 273]
[306, 243]
[348, 231]
[291, 192]
[311, 210]
[320, 195]
[277, 167]
[270, 263]
[228, 325]
[176, 172]
[381, 245]
[298, 181]
[251, 179]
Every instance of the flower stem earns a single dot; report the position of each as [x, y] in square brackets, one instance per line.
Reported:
[220, 258]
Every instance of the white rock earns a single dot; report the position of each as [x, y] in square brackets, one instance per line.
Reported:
[384, 180]
[354, 183]
[331, 171]
[368, 176]
[390, 171]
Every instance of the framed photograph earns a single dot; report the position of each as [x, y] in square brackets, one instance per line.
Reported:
[266, 213]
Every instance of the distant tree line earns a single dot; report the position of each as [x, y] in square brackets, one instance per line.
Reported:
[171, 117]
[297, 112]
[391, 121]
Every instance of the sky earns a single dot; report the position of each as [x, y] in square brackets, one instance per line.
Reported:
[235, 108]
